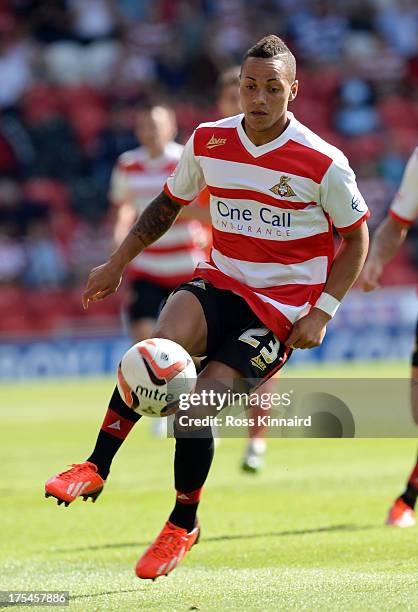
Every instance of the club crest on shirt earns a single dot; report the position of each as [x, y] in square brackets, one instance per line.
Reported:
[283, 189]
[215, 142]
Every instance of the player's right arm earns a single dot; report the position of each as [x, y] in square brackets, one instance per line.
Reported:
[156, 219]
[392, 231]
[181, 188]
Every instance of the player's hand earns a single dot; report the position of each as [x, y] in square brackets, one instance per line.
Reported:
[102, 281]
[369, 278]
[309, 331]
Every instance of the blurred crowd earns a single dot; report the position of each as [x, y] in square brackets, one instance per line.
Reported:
[71, 72]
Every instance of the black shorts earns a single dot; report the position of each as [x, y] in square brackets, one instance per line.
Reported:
[145, 299]
[415, 351]
[236, 336]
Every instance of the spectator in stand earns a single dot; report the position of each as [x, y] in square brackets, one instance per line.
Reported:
[49, 21]
[356, 114]
[398, 22]
[319, 30]
[115, 139]
[94, 20]
[12, 255]
[16, 55]
[46, 265]
[90, 241]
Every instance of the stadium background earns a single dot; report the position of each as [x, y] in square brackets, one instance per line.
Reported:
[306, 533]
[71, 72]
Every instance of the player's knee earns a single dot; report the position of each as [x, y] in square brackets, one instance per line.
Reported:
[167, 332]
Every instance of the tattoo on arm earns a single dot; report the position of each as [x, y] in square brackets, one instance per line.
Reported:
[156, 219]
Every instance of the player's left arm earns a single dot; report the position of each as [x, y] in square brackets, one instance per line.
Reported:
[310, 330]
[392, 231]
[386, 242]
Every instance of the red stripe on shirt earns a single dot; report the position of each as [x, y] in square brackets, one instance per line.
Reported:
[249, 194]
[175, 198]
[175, 248]
[293, 295]
[353, 226]
[131, 166]
[400, 219]
[292, 157]
[270, 316]
[259, 250]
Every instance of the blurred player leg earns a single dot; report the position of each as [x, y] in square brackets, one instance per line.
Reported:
[402, 512]
[255, 451]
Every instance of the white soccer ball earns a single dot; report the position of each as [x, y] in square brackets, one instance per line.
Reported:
[153, 374]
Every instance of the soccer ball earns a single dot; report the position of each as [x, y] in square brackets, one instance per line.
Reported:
[153, 374]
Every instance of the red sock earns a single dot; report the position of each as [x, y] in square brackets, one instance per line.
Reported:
[184, 513]
[116, 425]
[413, 478]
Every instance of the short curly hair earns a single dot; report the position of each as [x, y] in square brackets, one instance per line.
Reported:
[273, 46]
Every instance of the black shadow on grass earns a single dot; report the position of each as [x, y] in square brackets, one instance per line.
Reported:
[91, 595]
[238, 536]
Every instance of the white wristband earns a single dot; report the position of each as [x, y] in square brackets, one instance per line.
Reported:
[328, 303]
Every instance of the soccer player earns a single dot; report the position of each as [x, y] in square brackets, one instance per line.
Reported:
[272, 282]
[385, 244]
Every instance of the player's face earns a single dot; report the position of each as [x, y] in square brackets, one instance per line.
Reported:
[265, 91]
[229, 103]
[155, 128]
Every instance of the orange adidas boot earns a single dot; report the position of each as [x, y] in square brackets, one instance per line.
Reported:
[401, 515]
[166, 552]
[81, 480]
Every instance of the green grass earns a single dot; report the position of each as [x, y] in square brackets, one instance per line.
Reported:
[305, 534]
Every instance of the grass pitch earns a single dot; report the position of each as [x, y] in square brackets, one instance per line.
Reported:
[305, 534]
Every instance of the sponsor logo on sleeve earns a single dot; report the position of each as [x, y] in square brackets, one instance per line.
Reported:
[356, 205]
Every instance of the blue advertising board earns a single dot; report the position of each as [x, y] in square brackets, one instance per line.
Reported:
[373, 326]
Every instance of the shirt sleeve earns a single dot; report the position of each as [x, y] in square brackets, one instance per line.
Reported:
[404, 207]
[118, 192]
[187, 180]
[341, 198]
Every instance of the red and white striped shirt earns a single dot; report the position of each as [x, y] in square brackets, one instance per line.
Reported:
[138, 179]
[404, 207]
[272, 209]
